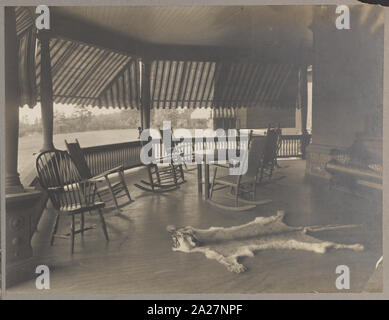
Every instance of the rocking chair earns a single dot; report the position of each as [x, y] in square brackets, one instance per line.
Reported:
[269, 160]
[112, 188]
[173, 153]
[162, 177]
[68, 192]
[243, 183]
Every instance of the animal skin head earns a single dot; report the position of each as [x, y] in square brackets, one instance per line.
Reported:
[183, 240]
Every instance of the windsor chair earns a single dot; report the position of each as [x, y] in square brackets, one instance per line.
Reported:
[69, 193]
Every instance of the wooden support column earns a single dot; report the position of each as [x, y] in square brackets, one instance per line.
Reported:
[305, 139]
[22, 204]
[145, 95]
[46, 92]
[12, 181]
[304, 99]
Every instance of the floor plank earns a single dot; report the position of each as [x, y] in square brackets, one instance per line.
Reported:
[139, 258]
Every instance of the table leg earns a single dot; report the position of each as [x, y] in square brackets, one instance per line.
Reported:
[199, 179]
[206, 180]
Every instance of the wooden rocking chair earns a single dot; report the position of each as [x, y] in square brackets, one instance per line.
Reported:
[173, 154]
[269, 160]
[110, 188]
[244, 183]
[68, 192]
[162, 177]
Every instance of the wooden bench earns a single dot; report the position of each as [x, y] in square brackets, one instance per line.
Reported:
[349, 175]
[352, 173]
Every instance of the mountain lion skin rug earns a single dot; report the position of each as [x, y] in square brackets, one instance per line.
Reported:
[227, 245]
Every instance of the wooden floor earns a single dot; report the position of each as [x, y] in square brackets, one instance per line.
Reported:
[139, 258]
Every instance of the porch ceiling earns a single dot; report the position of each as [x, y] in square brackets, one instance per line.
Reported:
[220, 26]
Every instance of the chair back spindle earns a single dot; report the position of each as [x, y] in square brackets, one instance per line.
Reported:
[59, 176]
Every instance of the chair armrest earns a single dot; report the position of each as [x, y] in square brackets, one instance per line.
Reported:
[233, 163]
[221, 165]
[106, 173]
[230, 164]
[75, 185]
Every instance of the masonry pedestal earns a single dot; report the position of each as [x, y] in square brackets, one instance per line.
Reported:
[22, 210]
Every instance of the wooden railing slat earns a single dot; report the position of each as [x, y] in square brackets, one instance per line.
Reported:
[104, 157]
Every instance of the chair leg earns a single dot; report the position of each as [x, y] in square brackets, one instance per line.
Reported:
[271, 171]
[72, 231]
[55, 228]
[158, 176]
[99, 196]
[254, 190]
[82, 223]
[149, 168]
[113, 194]
[104, 226]
[262, 173]
[182, 173]
[123, 182]
[174, 173]
[237, 196]
[213, 183]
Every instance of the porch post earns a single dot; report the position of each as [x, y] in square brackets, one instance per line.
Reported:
[304, 109]
[23, 205]
[12, 181]
[46, 92]
[145, 95]
[304, 98]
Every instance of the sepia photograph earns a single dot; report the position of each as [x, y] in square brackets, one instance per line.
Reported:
[192, 149]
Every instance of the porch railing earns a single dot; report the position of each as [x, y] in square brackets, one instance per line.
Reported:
[105, 157]
[290, 146]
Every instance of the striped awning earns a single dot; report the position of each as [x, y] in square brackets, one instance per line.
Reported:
[196, 84]
[26, 35]
[123, 90]
[24, 20]
[87, 75]
[90, 76]
[81, 74]
[255, 84]
[182, 84]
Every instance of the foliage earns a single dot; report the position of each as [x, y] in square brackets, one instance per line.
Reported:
[82, 119]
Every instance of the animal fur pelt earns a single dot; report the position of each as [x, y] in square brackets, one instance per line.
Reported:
[227, 245]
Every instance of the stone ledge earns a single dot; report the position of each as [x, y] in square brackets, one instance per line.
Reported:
[21, 271]
[29, 194]
[22, 210]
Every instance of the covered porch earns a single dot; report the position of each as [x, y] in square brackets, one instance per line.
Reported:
[149, 58]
